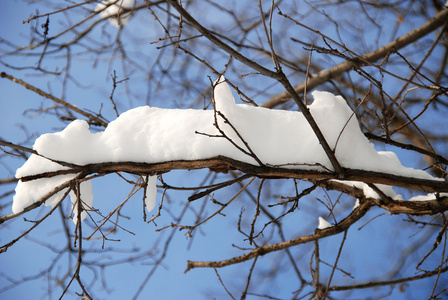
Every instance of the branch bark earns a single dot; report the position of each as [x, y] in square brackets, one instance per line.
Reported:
[269, 172]
[326, 180]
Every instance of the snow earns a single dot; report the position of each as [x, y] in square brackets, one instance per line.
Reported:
[151, 193]
[386, 189]
[427, 197]
[31, 191]
[356, 205]
[151, 135]
[113, 11]
[323, 224]
[369, 192]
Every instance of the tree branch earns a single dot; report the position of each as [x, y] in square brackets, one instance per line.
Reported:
[91, 117]
[259, 251]
[271, 172]
[439, 20]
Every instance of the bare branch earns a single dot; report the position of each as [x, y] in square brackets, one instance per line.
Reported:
[366, 59]
[94, 120]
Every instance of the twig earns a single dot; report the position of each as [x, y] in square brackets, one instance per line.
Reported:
[243, 296]
[114, 86]
[436, 243]
[249, 150]
[5, 247]
[411, 147]
[91, 117]
[217, 187]
[389, 282]
[260, 251]
[336, 261]
[401, 42]
[57, 11]
[223, 285]
[257, 213]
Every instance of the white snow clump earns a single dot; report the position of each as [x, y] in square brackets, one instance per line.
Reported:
[323, 224]
[113, 9]
[152, 135]
[427, 197]
[151, 193]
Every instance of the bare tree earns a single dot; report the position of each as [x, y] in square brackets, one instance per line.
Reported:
[253, 226]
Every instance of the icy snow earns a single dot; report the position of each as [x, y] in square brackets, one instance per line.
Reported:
[323, 223]
[151, 193]
[113, 11]
[356, 205]
[369, 192]
[430, 196]
[150, 135]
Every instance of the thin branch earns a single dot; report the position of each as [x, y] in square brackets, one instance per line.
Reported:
[337, 260]
[57, 11]
[207, 33]
[217, 187]
[437, 21]
[388, 282]
[357, 214]
[97, 120]
[40, 201]
[5, 247]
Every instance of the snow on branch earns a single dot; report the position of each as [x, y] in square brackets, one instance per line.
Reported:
[257, 141]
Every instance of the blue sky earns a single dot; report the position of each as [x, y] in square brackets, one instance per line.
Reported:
[29, 257]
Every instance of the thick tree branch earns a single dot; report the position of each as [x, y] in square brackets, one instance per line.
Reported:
[271, 172]
[325, 180]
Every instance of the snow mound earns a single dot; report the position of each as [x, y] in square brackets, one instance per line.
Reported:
[151, 135]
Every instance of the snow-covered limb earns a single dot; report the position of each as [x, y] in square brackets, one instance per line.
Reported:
[257, 141]
[426, 205]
